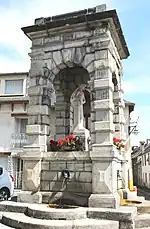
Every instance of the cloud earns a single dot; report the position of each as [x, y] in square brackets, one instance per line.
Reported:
[16, 14]
[137, 85]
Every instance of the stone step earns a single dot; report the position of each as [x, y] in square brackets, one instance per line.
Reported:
[142, 221]
[44, 212]
[19, 220]
[144, 207]
[10, 206]
[2, 226]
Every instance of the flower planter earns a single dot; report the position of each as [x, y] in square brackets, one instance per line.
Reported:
[69, 143]
[67, 148]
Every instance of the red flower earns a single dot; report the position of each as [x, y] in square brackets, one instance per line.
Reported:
[71, 137]
[122, 145]
[115, 140]
[52, 142]
[60, 142]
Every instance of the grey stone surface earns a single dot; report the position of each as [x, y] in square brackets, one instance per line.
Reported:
[120, 214]
[49, 176]
[103, 201]
[88, 167]
[142, 220]
[18, 220]
[124, 215]
[45, 185]
[83, 177]
[29, 197]
[2, 226]
[44, 212]
[45, 165]
[9, 206]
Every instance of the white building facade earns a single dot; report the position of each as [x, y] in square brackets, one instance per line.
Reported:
[13, 120]
[141, 164]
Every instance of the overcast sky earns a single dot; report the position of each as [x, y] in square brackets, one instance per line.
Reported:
[134, 17]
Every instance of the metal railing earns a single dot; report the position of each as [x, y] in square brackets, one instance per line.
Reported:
[18, 180]
[18, 140]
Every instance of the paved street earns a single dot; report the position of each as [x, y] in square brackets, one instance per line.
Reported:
[144, 192]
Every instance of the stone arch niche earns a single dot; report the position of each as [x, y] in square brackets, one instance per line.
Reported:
[65, 83]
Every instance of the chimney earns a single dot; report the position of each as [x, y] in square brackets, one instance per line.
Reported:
[147, 141]
[101, 8]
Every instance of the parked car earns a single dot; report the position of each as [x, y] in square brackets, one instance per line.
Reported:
[6, 184]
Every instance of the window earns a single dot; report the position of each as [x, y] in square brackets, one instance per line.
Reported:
[14, 86]
[145, 179]
[21, 125]
[145, 159]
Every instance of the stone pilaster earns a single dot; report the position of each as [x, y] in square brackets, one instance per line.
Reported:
[104, 160]
[40, 89]
[102, 116]
[119, 119]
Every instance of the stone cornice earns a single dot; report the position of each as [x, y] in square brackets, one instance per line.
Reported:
[83, 17]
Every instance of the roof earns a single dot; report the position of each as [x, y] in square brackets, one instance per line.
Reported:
[130, 105]
[86, 15]
[136, 152]
[13, 73]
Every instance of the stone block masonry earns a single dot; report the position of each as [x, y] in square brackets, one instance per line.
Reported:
[80, 175]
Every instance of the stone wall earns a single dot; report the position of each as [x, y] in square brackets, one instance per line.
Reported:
[80, 173]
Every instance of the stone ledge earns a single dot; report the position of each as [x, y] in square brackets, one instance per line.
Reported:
[10, 206]
[120, 214]
[28, 197]
[19, 220]
[66, 156]
[103, 201]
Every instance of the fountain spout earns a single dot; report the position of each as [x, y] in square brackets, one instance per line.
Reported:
[66, 174]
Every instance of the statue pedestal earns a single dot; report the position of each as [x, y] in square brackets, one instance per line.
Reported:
[83, 132]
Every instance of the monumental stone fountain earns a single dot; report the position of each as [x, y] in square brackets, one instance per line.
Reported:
[75, 89]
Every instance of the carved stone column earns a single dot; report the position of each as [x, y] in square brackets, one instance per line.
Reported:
[104, 179]
[40, 89]
[119, 105]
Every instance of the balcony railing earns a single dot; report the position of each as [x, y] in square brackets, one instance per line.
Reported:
[18, 180]
[18, 140]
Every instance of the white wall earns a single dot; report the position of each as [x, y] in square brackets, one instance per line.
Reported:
[126, 116]
[4, 161]
[146, 170]
[6, 130]
[8, 124]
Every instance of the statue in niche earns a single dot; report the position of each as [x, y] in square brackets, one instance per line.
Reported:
[77, 102]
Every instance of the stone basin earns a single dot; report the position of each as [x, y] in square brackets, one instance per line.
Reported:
[64, 206]
[56, 212]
